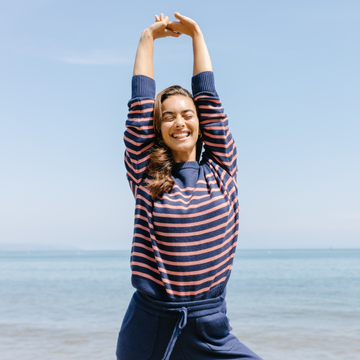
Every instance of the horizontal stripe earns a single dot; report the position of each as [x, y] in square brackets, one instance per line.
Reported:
[130, 121]
[141, 245]
[201, 213]
[210, 115]
[138, 226]
[194, 233]
[229, 154]
[142, 135]
[196, 282]
[138, 254]
[169, 196]
[146, 266]
[192, 197]
[134, 161]
[195, 262]
[197, 272]
[148, 277]
[147, 201]
[141, 151]
[224, 145]
[197, 292]
[137, 143]
[138, 235]
[141, 111]
[143, 208]
[207, 98]
[216, 136]
[194, 223]
[193, 206]
[199, 242]
[209, 107]
[195, 252]
[150, 127]
[136, 171]
[227, 163]
[141, 102]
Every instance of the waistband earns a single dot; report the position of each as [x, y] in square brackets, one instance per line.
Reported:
[179, 310]
[195, 308]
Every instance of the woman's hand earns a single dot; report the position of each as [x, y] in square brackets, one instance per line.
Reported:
[159, 29]
[144, 55]
[185, 25]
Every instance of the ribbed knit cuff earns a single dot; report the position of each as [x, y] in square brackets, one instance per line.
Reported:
[203, 82]
[142, 87]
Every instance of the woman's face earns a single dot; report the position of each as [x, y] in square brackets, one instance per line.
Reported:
[180, 127]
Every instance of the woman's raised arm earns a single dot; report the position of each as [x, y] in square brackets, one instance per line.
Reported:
[218, 142]
[144, 55]
[187, 26]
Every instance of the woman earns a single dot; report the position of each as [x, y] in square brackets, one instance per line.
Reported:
[186, 213]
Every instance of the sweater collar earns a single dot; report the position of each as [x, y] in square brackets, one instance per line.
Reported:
[186, 165]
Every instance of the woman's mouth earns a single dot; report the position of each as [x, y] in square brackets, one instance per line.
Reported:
[180, 136]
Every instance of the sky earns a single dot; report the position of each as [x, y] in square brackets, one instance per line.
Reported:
[287, 73]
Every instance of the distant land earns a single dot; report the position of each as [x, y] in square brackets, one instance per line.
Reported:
[36, 247]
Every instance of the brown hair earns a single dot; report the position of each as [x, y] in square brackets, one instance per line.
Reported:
[161, 161]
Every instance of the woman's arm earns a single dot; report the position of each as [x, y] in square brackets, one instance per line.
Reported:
[139, 135]
[218, 142]
[187, 26]
[144, 55]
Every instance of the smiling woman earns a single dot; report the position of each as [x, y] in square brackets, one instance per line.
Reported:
[180, 127]
[178, 136]
[186, 211]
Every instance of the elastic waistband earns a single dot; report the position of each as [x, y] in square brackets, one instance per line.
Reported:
[196, 308]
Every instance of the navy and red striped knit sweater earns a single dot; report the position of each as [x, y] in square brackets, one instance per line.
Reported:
[184, 242]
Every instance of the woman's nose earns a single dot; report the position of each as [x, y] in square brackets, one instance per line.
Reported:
[179, 122]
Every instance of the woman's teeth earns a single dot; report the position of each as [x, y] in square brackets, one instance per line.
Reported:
[180, 136]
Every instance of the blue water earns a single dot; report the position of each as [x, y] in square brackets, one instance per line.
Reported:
[283, 304]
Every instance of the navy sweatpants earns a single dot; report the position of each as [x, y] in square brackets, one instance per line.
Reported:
[197, 330]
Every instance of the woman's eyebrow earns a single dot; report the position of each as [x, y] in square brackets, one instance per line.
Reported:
[173, 112]
[168, 112]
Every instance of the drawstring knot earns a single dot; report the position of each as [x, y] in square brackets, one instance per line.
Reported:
[180, 324]
[183, 318]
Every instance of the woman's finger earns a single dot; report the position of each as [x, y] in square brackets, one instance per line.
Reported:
[171, 33]
[184, 19]
[175, 25]
[179, 16]
[157, 18]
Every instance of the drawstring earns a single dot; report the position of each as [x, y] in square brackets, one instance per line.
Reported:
[180, 324]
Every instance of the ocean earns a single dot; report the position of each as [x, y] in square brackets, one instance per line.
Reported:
[283, 304]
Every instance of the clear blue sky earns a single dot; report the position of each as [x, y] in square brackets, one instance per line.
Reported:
[288, 75]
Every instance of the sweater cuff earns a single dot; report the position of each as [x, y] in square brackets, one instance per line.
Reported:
[142, 87]
[203, 82]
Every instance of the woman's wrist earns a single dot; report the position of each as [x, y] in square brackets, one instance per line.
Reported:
[147, 35]
[196, 33]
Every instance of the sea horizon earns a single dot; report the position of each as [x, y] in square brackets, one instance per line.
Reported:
[24, 247]
[282, 303]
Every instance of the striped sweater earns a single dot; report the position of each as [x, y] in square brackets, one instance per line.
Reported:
[184, 242]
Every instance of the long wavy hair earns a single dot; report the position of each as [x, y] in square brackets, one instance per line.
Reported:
[161, 160]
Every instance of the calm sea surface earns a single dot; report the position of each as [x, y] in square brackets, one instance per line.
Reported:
[283, 304]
